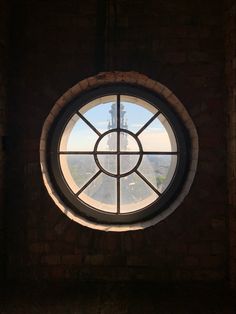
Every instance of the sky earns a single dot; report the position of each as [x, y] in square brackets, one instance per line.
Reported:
[82, 137]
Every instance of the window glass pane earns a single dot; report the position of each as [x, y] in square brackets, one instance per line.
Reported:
[158, 136]
[128, 143]
[158, 169]
[135, 193]
[101, 113]
[77, 170]
[78, 136]
[135, 112]
[108, 142]
[108, 162]
[101, 193]
[128, 162]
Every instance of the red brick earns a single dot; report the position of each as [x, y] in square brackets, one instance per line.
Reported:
[51, 260]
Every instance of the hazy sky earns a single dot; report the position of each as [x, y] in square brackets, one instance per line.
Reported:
[154, 137]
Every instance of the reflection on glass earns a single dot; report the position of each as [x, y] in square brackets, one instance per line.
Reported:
[128, 143]
[99, 113]
[135, 193]
[136, 112]
[77, 136]
[108, 162]
[101, 193]
[158, 170]
[77, 170]
[128, 162]
[108, 142]
[158, 136]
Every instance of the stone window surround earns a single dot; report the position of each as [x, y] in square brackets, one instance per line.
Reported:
[135, 79]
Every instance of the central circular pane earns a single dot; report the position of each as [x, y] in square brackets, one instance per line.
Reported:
[118, 144]
[108, 163]
[128, 163]
[108, 142]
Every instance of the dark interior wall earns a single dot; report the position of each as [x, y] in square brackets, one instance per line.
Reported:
[3, 86]
[54, 44]
[231, 84]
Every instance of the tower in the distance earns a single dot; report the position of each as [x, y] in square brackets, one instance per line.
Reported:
[112, 124]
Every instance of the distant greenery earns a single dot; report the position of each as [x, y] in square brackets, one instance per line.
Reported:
[160, 179]
[133, 188]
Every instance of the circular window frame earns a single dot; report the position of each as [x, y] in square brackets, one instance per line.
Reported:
[81, 94]
[92, 213]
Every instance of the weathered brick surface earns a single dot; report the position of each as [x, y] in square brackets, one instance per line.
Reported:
[231, 117]
[55, 45]
[3, 84]
[117, 298]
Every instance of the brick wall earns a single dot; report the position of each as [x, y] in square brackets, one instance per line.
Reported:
[3, 85]
[57, 43]
[231, 83]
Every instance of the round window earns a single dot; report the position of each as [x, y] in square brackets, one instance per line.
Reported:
[118, 154]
